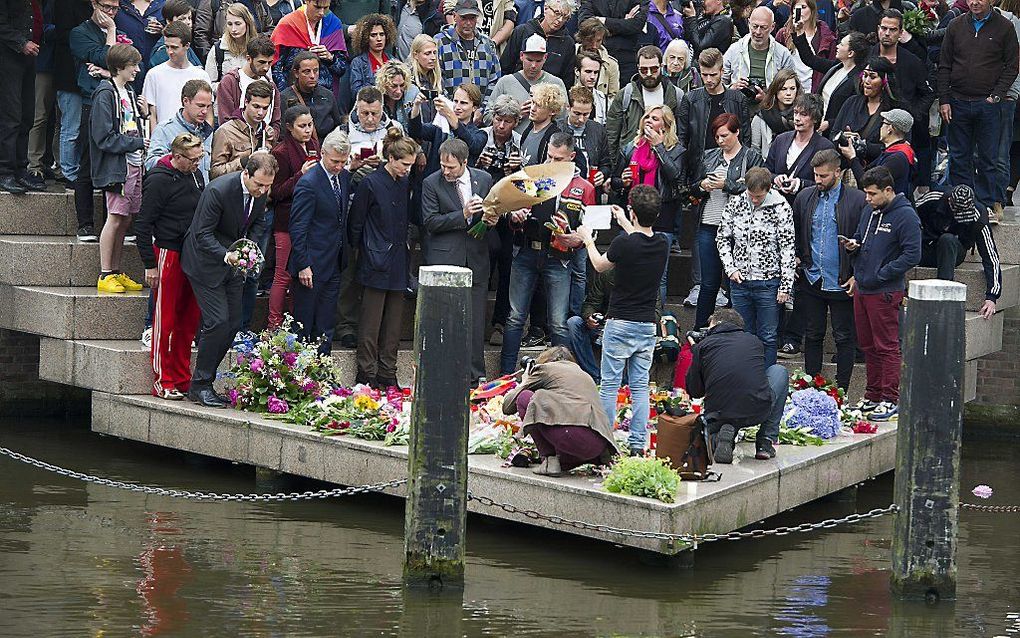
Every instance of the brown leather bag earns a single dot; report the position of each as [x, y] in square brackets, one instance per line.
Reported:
[684, 442]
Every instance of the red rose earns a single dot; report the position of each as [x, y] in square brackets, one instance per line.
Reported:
[820, 381]
[801, 384]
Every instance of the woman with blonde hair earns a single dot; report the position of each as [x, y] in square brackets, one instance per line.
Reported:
[230, 50]
[658, 158]
[776, 114]
[394, 80]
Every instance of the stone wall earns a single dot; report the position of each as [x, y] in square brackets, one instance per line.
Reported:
[997, 406]
[22, 393]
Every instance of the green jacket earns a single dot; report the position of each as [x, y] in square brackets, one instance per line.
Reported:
[626, 110]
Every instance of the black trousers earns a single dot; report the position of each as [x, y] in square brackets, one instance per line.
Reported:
[221, 319]
[17, 110]
[501, 257]
[84, 204]
[315, 308]
[814, 305]
[946, 254]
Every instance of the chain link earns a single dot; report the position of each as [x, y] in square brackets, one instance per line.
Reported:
[203, 496]
[691, 539]
[999, 509]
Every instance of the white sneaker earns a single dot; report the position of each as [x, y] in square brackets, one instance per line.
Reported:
[691, 300]
[720, 300]
[147, 338]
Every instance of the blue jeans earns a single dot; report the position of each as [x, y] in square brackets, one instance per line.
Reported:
[69, 103]
[578, 279]
[756, 303]
[251, 285]
[628, 345]
[711, 273]
[975, 130]
[779, 382]
[581, 345]
[665, 271]
[530, 264]
[1008, 110]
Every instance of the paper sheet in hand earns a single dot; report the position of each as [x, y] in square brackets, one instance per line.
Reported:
[441, 121]
[598, 217]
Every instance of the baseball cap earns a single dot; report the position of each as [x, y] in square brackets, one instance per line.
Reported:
[899, 119]
[534, 44]
[466, 8]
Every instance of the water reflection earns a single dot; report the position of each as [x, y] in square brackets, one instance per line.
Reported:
[78, 558]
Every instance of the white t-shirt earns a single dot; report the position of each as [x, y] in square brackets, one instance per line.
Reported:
[653, 97]
[162, 88]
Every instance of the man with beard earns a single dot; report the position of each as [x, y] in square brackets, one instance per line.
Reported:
[646, 89]
[532, 72]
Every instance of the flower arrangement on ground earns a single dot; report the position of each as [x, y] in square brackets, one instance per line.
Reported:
[643, 476]
[800, 380]
[815, 410]
[278, 373]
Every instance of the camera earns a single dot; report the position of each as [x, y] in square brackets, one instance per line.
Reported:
[847, 139]
[527, 363]
[696, 336]
[752, 89]
[598, 318]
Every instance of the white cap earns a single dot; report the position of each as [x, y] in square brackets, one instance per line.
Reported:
[534, 44]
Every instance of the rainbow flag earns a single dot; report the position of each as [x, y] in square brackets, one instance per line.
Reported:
[292, 31]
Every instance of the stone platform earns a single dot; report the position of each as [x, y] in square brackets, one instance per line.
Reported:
[748, 492]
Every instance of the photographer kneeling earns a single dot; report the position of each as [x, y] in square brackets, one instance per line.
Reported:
[728, 369]
[559, 405]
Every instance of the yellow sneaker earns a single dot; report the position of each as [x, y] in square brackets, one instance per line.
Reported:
[109, 283]
[128, 282]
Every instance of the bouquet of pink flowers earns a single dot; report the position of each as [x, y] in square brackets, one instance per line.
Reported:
[249, 258]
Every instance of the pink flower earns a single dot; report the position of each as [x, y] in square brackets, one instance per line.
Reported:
[276, 405]
[982, 491]
[342, 392]
[123, 39]
[240, 359]
[289, 359]
[310, 386]
[242, 263]
[257, 365]
[233, 395]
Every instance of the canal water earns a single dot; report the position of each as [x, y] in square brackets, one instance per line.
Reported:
[82, 560]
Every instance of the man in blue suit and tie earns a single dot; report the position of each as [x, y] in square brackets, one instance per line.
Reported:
[318, 229]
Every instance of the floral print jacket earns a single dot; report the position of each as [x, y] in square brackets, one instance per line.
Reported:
[758, 241]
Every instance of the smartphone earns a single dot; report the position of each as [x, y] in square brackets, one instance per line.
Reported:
[367, 152]
[796, 14]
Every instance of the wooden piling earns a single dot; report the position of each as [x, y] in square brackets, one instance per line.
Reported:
[928, 442]
[436, 511]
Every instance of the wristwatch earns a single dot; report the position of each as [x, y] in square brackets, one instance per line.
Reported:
[995, 99]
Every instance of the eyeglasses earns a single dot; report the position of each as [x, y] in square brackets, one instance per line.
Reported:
[562, 15]
[108, 8]
[648, 70]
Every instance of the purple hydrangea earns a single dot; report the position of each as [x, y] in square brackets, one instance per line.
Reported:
[289, 359]
[814, 409]
[257, 365]
[277, 405]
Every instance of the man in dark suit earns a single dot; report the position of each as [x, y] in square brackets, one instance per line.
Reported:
[451, 203]
[232, 206]
[318, 225]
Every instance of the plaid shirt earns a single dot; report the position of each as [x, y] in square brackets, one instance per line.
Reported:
[459, 65]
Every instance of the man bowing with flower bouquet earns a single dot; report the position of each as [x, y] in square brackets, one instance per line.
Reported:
[231, 208]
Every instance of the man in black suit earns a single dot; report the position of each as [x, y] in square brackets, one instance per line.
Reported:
[232, 206]
[451, 203]
[318, 226]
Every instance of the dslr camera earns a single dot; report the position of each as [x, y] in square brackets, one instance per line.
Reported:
[752, 88]
[695, 336]
[847, 139]
[527, 364]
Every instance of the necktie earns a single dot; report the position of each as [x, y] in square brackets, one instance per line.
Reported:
[247, 209]
[460, 198]
[336, 192]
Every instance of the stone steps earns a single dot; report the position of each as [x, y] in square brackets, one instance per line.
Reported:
[49, 213]
[122, 366]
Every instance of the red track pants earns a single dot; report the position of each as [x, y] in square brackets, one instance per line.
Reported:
[173, 326]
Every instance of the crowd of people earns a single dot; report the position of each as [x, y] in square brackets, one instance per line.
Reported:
[805, 142]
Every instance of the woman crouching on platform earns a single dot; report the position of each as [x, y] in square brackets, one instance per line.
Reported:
[559, 405]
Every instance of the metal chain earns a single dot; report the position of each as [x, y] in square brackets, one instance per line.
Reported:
[999, 509]
[693, 539]
[203, 496]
